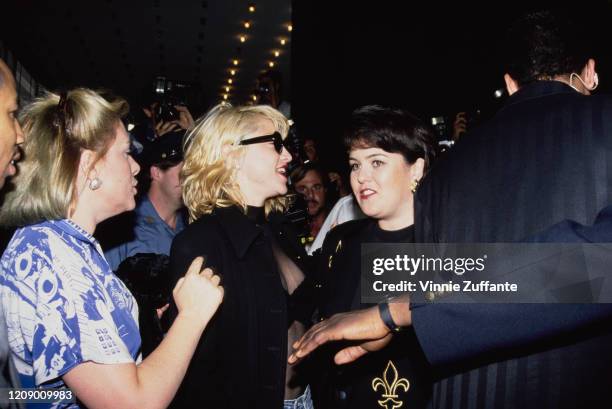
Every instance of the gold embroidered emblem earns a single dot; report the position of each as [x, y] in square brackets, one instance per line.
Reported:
[391, 383]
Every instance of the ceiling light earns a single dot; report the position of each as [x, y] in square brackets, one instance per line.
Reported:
[229, 80]
[235, 62]
[227, 89]
[283, 41]
[271, 64]
[242, 39]
[254, 97]
[276, 53]
[247, 24]
[290, 28]
[252, 8]
[225, 96]
[233, 72]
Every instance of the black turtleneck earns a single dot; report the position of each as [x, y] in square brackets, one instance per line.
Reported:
[376, 234]
[256, 214]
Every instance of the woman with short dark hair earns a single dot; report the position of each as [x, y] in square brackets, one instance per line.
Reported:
[389, 152]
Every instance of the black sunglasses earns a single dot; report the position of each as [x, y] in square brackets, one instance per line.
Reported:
[275, 138]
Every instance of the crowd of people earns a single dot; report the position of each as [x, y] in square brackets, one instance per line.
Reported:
[201, 294]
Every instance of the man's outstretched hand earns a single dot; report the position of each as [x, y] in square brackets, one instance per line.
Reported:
[363, 325]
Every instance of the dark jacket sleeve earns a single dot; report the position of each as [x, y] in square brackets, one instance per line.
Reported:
[485, 331]
[186, 246]
[200, 240]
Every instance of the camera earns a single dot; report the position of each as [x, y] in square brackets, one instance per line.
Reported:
[440, 125]
[443, 125]
[167, 94]
[165, 111]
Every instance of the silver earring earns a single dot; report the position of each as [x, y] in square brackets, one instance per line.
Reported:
[95, 183]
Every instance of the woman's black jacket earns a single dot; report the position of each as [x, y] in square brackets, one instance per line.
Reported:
[241, 358]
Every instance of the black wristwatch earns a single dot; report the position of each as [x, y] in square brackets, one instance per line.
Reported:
[385, 315]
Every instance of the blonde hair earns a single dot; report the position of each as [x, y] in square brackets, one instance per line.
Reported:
[56, 131]
[208, 175]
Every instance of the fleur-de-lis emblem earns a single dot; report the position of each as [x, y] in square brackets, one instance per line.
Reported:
[391, 383]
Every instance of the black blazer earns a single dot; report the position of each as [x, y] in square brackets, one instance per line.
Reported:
[545, 157]
[241, 359]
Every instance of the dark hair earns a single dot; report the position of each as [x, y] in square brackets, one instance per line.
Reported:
[300, 172]
[392, 130]
[543, 44]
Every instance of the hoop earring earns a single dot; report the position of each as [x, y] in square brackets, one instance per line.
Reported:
[95, 183]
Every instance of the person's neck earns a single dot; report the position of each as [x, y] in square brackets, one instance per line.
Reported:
[85, 220]
[255, 202]
[166, 210]
[316, 222]
[576, 85]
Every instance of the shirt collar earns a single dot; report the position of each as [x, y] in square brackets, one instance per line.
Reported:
[146, 208]
[241, 231]
[539, 89]
[74, 230]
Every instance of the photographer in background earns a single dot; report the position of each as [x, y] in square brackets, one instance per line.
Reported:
[269, 90]
[310, 181]
[162, 112]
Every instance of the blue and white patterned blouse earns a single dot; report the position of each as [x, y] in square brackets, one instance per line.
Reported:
[63, 304]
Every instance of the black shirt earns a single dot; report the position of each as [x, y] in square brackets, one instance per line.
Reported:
[352, 385]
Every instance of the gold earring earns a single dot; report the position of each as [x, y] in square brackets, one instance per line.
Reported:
[415, 185]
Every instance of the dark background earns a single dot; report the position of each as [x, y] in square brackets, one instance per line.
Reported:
[432, 58]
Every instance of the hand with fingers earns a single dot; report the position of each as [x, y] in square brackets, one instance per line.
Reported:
[460, 125]
[162, 128]
[185, 120]
[198, 294]
[160, 311]
[364, 326]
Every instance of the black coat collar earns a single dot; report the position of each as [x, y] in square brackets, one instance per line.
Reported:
[241, 231]
[539, 89]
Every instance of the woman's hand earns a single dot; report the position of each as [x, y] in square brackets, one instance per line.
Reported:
[198, 293]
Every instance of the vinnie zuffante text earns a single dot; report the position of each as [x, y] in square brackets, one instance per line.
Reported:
[413, 265]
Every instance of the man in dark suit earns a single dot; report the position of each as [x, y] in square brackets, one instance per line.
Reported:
[543, 160]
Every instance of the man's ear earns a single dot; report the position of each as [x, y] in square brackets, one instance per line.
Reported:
[589, 75]
[155, 173]
[511, 84]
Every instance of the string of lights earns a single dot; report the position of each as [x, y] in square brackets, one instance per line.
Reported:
[229, 87]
